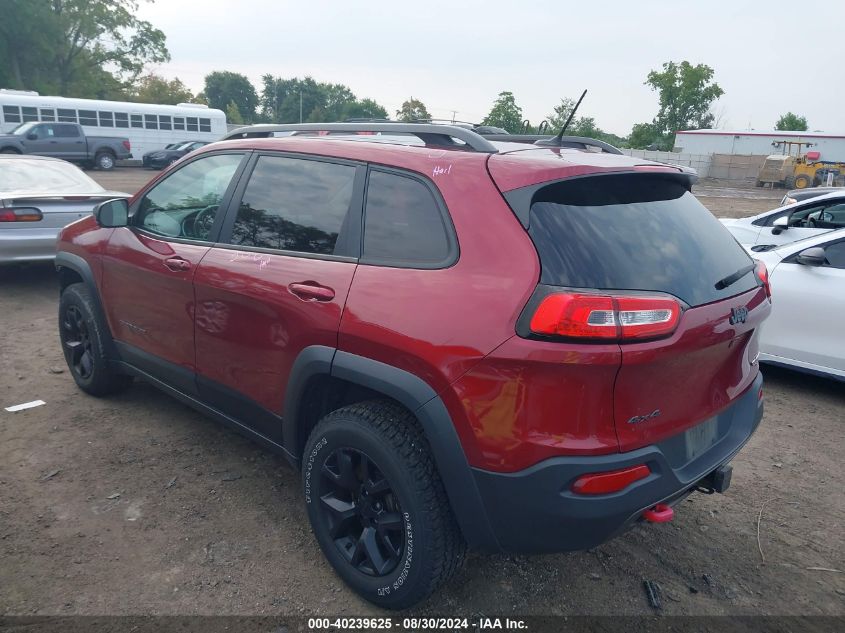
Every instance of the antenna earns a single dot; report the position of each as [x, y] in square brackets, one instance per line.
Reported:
[571, 114]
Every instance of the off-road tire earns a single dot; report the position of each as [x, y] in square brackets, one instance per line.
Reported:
[83, 338]
[104, 161]
[389, 437]
[803, 181]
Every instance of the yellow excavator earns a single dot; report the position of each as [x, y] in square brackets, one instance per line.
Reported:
[799, 171]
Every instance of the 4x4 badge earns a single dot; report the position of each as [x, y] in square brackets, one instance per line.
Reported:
[738, 315]
[644, 418]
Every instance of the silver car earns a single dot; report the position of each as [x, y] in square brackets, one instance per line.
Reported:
[38, 197]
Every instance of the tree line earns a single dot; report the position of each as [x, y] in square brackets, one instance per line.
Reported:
[99, 49]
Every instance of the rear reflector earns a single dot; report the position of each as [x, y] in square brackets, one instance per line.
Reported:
[23, 214]
[605, 317]
[610, 481]
[763, 275]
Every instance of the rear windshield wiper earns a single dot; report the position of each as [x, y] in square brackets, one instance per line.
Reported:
[734, 277]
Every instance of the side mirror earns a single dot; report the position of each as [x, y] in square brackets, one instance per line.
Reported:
[32, 136]
[112, 213]
[813, 256]
[780, 225]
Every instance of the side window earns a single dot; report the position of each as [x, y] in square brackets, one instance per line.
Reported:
[106, 119]
[151, 121]
[66, 131]
[835, 254]
[292, 204]
[68, 116]
[403, 223]
[12, 114]
[29, 114]
[121, 119]
[185, 203]
[137, 120]
[87, 117]
[48, 114]
[802, 217]
[44, 131]
[831, 217]
[769, 220]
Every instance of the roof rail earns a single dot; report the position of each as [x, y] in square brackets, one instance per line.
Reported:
[544, 140]
[430, 134]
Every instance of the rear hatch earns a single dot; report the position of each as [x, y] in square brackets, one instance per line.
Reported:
[656, 272]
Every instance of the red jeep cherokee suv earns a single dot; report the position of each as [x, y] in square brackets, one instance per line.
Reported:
[458, 343]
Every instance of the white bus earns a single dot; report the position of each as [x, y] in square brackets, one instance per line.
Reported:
[147, 126]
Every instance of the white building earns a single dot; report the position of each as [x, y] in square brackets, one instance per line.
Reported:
[758, 142]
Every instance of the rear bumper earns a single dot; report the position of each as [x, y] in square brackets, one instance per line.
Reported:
[534, 510]
[28, 245]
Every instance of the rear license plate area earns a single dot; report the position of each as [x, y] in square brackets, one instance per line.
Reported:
[701, 437]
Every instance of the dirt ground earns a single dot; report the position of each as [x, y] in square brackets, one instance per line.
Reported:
[138, 505]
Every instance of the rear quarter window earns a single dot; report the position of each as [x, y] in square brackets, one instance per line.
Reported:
[405, 223]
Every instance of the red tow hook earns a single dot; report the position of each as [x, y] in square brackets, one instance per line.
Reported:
[661, 513]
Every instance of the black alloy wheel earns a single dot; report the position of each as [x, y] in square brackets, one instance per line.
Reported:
[77, 342]
[83, 338]
[377, 505]
[362, 512]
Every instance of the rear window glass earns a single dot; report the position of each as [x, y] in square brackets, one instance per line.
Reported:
[634, 232]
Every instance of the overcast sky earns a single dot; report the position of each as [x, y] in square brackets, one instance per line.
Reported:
[460, 55]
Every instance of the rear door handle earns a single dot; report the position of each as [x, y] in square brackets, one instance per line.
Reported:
[311, 291]
[177, 264]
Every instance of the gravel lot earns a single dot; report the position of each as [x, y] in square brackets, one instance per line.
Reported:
[137, 504]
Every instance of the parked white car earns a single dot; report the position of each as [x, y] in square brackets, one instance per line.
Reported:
[38, 197]
[804, 331]
[790, 223]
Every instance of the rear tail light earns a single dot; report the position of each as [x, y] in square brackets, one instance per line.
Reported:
[127, 145]
[763, 275]
[24, 214]
[610, 481]
[605, 317]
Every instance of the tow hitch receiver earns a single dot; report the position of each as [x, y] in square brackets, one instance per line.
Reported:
[717, 481]
[661, 513]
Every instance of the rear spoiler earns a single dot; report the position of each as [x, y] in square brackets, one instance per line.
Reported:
[544, 140]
